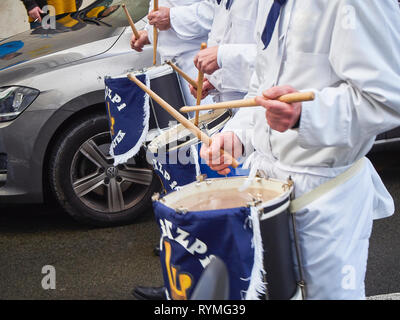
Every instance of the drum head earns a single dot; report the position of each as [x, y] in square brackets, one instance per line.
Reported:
[223, 193]
[178, 136]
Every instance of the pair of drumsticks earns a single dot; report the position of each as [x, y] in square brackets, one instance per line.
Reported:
[288, 98]
[137, 35]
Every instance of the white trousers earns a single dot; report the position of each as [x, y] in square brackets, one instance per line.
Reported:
[334, 230]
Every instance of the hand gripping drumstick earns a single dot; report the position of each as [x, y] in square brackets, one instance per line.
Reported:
[132, 24]
[155, 37]
[183, 74]
[185, 122]
[288, 98]
[199, 89]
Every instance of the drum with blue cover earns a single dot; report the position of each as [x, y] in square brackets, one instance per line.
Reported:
[248, 229]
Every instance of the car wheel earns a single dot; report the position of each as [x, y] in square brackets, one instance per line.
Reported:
[87, 184]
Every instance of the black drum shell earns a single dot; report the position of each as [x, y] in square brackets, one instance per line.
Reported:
[278, 258]
[169, 89]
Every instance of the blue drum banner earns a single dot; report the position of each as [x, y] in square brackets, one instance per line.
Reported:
[189, 241]
[176, 168]
[128, 110]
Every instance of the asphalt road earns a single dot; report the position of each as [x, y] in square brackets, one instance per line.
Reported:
[107, 263]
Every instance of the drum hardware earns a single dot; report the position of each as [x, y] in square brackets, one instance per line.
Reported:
[182, 211]
[155, 197]
[301, 283]
[289, 185]
[259, 176]
[201, 177]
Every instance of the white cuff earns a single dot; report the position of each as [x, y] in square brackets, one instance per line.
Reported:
[220, 55]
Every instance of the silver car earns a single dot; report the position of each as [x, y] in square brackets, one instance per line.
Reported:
[54, 132]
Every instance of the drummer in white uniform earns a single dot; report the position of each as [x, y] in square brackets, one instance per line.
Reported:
[348, 53]
[228, 62]
[231, 33]
[170, 46]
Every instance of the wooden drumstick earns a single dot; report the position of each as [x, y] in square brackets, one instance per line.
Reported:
[180, 118]
[155, 36]
[132, 24]
[199, 88]
[288, 98]
[183, 74]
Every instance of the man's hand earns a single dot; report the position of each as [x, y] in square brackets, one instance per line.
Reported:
[138, 44]
[280, 116]
[35, 13]
[207, 86]
[207, 60]
[160, 18]
[227, 141]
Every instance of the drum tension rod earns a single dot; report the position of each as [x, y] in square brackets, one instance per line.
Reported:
[155, 197]
[181, 210]
[301, 283]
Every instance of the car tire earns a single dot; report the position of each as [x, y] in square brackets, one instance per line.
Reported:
[87, 185]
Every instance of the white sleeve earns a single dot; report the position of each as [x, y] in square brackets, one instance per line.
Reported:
[243, 122]
[367, 59]
[193, 21]
[235, 60]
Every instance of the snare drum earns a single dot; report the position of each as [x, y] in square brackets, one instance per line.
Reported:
[245, 229]
[165, 82]
[175, 152]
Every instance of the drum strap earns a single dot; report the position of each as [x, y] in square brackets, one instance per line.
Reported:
[301, 202]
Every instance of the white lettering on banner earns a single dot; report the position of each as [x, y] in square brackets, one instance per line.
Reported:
[117, 140]
[108, 93]
[181, 238]
[116, 99]
[159, 167]
[122, 106]
[184, 238]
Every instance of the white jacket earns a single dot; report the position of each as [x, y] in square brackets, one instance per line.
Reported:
[348, 53]
[233, 31]
[170, 45]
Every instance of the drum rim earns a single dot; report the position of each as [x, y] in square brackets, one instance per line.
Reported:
[145, 70]
[284, 196]
[160, 142]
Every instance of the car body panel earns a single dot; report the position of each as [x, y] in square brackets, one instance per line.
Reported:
[70, 81]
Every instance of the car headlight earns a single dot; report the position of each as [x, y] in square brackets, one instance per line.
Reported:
[14, 100]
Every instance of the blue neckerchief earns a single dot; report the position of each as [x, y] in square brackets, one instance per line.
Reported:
[271, 21]
[219, 2]
[229, 4]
